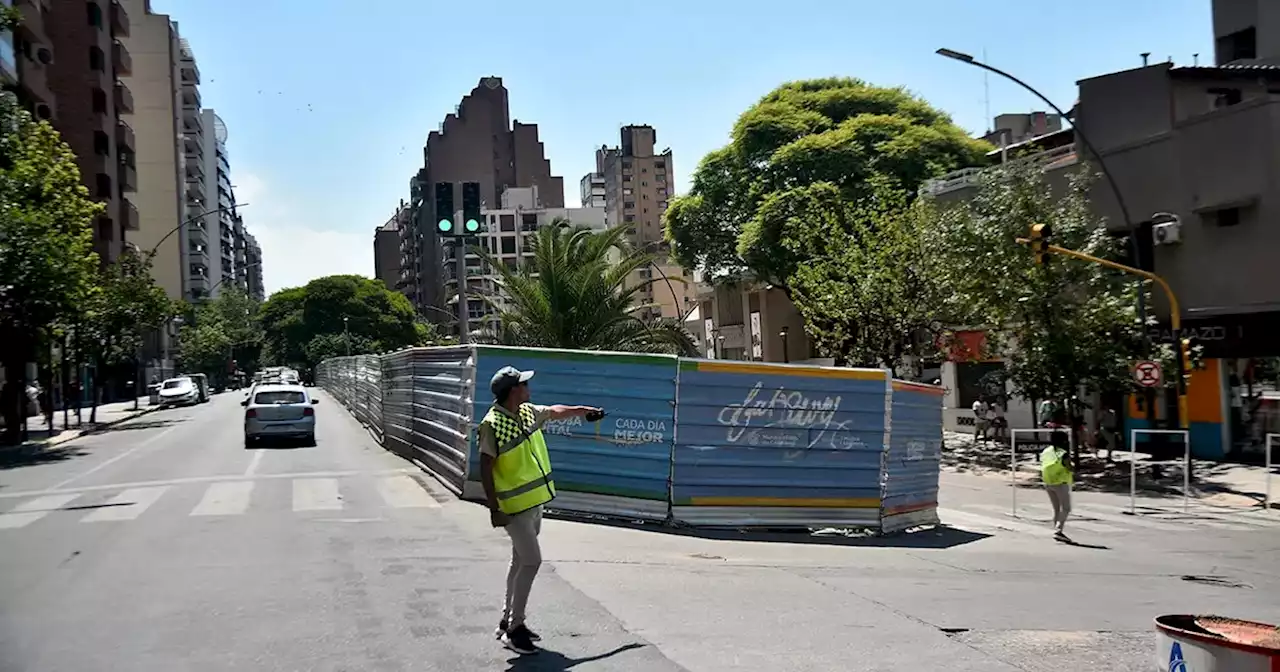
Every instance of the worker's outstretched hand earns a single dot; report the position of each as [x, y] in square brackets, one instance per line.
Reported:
[594, 415]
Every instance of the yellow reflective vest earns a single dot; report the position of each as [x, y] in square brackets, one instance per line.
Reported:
[522, 470]
[1052, 468]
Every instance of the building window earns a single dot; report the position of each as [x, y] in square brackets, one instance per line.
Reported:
[626, 192]
[629, 205]
[528, 221]
[104, 186]
[1220, 98]
[97, 60]
[106, 227]
[660, 164]
[99, 101]
[508, 222]
[508, 245]
[629, 218]
[1225, 217]
[511, 263]
[644, 170]
[95, 14]
[101, 143]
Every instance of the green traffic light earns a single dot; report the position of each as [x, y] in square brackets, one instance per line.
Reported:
[445, 225]
[472, 226]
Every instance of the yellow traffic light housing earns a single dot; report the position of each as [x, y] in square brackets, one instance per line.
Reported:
[1040, 234]
[1185, 344]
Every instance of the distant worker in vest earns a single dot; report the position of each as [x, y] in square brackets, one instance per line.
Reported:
[1056, 469]
[516, 472]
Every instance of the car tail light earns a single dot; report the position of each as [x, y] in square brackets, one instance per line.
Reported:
[250, 414]
[308, 411]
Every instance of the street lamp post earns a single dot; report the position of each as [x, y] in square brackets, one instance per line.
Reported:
[346, 333]
[1111, 181]
[786, 356]
[189, 220]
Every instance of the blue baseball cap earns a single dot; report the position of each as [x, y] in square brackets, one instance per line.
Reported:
[506, 378]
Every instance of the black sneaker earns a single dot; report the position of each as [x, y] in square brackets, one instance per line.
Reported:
[502, 628]
[517, 639]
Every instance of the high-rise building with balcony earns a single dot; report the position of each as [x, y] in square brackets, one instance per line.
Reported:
[593, 191]
[638, 182]
[83, 79]
[478, 142]
[201, 242]
[219, 198]
[253, 268]
[26, 58]
[386, 248]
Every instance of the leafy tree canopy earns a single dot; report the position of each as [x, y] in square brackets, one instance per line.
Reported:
[859, 139]
[303, 325]
[120, 308]
[575, 295]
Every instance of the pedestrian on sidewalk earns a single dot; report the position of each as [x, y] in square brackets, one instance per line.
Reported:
[1057, 472]
[515, 470]
[980, 421]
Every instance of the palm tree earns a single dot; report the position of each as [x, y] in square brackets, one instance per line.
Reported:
[574, 295]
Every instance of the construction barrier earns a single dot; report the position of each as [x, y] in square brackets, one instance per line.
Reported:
[686, 441]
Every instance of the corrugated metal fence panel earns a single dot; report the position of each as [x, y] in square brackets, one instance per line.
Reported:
[426, 408]
[618, 467]
[773, 445]
[914, 458]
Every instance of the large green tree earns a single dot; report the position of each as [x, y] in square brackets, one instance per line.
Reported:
[790, 153]
[46, 244]
[575, 294]
[221, 331]
[1066, 326]
[119, 309]
[304, 325]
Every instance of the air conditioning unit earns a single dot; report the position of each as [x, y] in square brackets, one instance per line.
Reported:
[1167, 233]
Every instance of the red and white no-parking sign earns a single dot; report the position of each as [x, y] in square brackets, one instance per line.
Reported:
[1147, 374]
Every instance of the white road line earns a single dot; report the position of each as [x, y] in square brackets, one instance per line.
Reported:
[115, 459]
[253, 462]
[208, 479]
[225, 499]
[29, 512]
[1045, 517]
[316, 494]
[127, 505]
[964, 519]
[402, 492]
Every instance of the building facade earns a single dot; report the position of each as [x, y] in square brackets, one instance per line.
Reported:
[506, 236]
[478, 142]
[592, 189]
[199, 243]
[638, 182]
[386, 249]
[87, 60]
[253, 268]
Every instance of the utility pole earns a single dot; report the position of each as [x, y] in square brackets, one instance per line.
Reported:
[346, 334]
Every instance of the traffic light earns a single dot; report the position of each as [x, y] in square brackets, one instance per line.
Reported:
[444, 208]
[1040, 234]
[470, 208]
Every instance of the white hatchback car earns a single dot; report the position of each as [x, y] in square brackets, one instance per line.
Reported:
[279, 411]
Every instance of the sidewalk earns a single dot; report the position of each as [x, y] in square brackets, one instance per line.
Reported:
[1216, 483]
[40, 436]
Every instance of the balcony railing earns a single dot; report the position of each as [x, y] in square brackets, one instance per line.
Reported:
[119, 19]
[125, 138]
[124, 99]
[128, 215]
[127, 177]
[1058, 157]
[122, 59]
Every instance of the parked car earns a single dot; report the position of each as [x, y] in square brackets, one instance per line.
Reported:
[179, 391]
[279, 411]
[202, 385]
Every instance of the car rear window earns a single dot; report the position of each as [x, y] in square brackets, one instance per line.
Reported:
[280, 397]
[170, 384]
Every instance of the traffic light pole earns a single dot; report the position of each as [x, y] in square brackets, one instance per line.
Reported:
[460, 269]
[1175, 315]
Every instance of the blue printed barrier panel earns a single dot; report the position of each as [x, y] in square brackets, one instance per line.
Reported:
[778, 445]
[620, 466]
[910, 495]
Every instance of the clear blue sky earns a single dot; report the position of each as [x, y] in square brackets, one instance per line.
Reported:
[329, 102]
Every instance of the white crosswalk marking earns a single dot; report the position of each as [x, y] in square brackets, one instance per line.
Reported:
[225, 499]
[402, 492]
[1044, 516]
[316, 494]
[966, 520]
[127, 505]
[29, 512]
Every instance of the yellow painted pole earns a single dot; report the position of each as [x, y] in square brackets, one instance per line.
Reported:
[1175, 313]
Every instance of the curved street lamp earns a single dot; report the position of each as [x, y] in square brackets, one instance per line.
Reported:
[191, 219]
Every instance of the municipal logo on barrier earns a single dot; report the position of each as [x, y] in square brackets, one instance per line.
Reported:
[1176, 662]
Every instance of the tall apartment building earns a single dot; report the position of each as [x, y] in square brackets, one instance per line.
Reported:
[478, 142]
[26, 57]
[1246, 31]
[253, 268]
[638, 182]
[386, 249]
[87, 60]
[200, 244]
[155, 116]
[592, 189]
[506, 236]
[219, 196]
[1011, 129]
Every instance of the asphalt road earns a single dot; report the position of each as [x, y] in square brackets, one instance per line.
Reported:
[163, 544]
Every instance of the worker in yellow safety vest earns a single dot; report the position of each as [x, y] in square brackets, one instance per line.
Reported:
[516, 472]
[1056, 469]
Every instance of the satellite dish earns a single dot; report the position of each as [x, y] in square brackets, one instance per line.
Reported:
[492, 82]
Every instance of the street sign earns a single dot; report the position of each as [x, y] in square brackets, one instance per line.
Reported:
[1147, 374]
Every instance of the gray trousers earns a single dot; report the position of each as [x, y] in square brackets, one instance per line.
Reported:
[526, 558]
[1060, 498]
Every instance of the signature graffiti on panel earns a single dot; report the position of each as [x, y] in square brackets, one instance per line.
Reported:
[787, 419]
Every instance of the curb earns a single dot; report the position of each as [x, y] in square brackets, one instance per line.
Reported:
[72, 435]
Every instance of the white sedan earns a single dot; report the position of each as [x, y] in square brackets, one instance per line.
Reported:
[179, 392]
[279, 411]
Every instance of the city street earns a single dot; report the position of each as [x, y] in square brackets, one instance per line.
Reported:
[163, 544]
